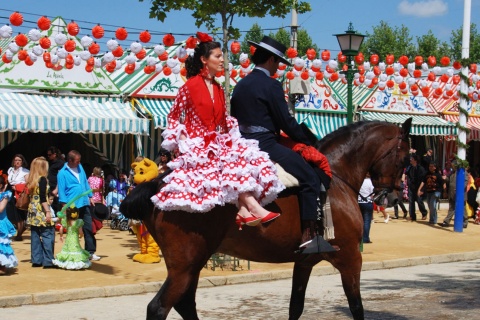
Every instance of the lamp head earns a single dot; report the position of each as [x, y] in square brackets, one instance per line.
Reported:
[350, 41]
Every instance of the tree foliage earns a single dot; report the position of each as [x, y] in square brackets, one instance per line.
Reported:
[456, 43]
[429, 45]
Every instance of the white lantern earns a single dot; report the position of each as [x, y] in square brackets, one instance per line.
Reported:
[86, 41]
[159, 49]
[34, 35]
[60, 39]
[112, 44]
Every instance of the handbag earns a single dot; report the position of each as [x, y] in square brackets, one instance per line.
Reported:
[23, 200]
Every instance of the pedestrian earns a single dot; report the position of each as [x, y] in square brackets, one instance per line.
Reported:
[365, 202]
[434, 184]
[415, 174]
[8, 260]
[73, 186]
[40, 219]
[427, 158]
[56, 162]
[399, 202]
[452, 195]
[17, 181]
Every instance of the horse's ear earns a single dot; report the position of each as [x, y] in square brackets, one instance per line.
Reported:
[406, 126]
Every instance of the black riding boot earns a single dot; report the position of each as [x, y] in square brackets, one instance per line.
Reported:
[311, 241]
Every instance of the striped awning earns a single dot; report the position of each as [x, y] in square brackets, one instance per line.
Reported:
[321, 123]
[421, 125]
[473, 123]
[38, 113]
[157, 109]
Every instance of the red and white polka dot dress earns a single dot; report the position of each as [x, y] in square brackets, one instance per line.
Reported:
[214, 163]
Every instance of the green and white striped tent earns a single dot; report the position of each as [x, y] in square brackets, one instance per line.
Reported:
[321, 123]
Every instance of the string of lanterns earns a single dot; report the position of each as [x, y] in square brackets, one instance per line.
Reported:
[419, 75]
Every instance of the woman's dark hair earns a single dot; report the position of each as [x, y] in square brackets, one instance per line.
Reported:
[24, 162]
[54, 150]
[193, 64]
[261, 56]
[164, 152]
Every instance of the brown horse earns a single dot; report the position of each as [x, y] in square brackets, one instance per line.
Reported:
[188, 240]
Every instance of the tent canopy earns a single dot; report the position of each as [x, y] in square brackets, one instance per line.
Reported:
[421, 125]
[158, 109]
[321, 123]
[39, 113]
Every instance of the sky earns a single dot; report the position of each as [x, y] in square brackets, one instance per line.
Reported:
[327, 17]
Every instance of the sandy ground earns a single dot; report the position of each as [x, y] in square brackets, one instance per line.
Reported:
[394, 240]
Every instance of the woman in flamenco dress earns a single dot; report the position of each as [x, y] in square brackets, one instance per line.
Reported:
[214, 165]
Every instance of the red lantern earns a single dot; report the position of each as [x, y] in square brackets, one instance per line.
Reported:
[457, 65]
[390, 83]
[311, 54]
[389, 59]
[235, 47]
[121, 34]
[145, 36]
[292, 53]
[328, 69]
[117, 52]
[361, 69]
[290, 75]
[70, 45]
[73, 29]
[377, 71]
[341, 57]
[414, 87]
[315, 69]
[456, 79]
[183, 59]
[28, 61]
[91, 61]
[233, 73]
[49, 65]
[110, 67]
[22, 55]
[191, 42]
[432, 61]
[163, 56]
[129, 68]
[438, 91]
[94, 48]
[403, 72]
[444, 78]
[45, 43]
[418, 60]
[69, 59]
[445, 61]
[16, 19]
[426, 91]
[88, 68]
[473, 68]
[168, 40]
[304, 75]
[402, 86]
[167, 71]
[325, 55]
[361, 79]
[334, 77]
[246, 63]
[98, 32]
[21, 40]
[417, 73]
[252, 50]
[141, 54]
[43, 23]
[148, 69]
[319, 76]
[431, 76]
[359, 58]
[374, 81]
[389, 71]
[374, 59]
[69, 66]
[183, 72]
[46, 56]
[403, 60]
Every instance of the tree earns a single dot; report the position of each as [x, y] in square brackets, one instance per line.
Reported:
[429, 45]
[456, 43]
[206, 12]
[304, 42]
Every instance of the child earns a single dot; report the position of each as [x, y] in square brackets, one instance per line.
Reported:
[72, 256]
[114, 198]
[8, 260]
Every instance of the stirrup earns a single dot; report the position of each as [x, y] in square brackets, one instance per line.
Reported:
[318, 245]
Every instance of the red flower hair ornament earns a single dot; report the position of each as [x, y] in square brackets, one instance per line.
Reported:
[203, 37]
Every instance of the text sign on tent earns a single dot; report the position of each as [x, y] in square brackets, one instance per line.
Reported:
[17, 74]
[320, 98]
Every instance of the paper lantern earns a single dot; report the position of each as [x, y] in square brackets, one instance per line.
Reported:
[118, 52]
[43, 23]
[22, 55]
[290, 75]
[68, 66]
[149, 69]
[418, 60]
[89, 68]
[359, 58]
[163, 56]
[98, 32]
[34, 35]
[46, 56]
[389, 71]
[473, 68]
[319, 76]
[16, 19]
[361, 69]
[431, 76]
[246, 63]
[233, 74]
[45, 43]
[21, 40]
[73, 29]
[417, 73]
[304, 75]
[94, 48]
[325, 56]
[145, 36]
[167, 71]
[445, 61]
[457, 65]
[121, 34]
[49, 65]
[311, 54]
[142, 54]
[168, 40]
[390, 83]
[374, 59]
[403, 72]
[402, 86]
[432, 61]
[403, 60]
[28, 61]
[70, 45]
[341, 57]
[444, 77]
[389, 59]
[235, 47]
[456, 79]
[333, 77]
[69, 59]
[292, 53]
[91, 61]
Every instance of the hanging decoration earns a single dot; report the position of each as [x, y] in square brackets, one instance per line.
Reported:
[98, 32]
[73, 29]
[43, 23]
[16, 19]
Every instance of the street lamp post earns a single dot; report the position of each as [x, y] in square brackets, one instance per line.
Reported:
[350, 43]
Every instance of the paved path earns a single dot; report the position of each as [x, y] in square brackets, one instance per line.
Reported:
[434, 291]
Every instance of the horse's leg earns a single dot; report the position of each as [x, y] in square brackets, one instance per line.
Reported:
[348, 261]
[186, 307]
[301, 275]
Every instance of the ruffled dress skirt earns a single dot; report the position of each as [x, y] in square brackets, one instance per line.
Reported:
[7, 231]
[214, 170]
[72, 256]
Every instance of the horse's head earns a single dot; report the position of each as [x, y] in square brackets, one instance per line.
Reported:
[387, 169]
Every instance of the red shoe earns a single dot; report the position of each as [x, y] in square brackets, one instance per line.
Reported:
[270, 216]
[249, 221]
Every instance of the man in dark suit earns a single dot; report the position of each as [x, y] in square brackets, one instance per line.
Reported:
[258, 102]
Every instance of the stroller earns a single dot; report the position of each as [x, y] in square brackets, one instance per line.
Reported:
[119, 221]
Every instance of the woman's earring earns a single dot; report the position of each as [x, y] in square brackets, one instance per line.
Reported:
[205, 73]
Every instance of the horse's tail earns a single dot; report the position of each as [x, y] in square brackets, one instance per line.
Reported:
[137, 203]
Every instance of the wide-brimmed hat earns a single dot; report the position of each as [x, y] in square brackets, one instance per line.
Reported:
[272, 46]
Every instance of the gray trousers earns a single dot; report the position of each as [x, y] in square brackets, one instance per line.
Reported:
[451, 212]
